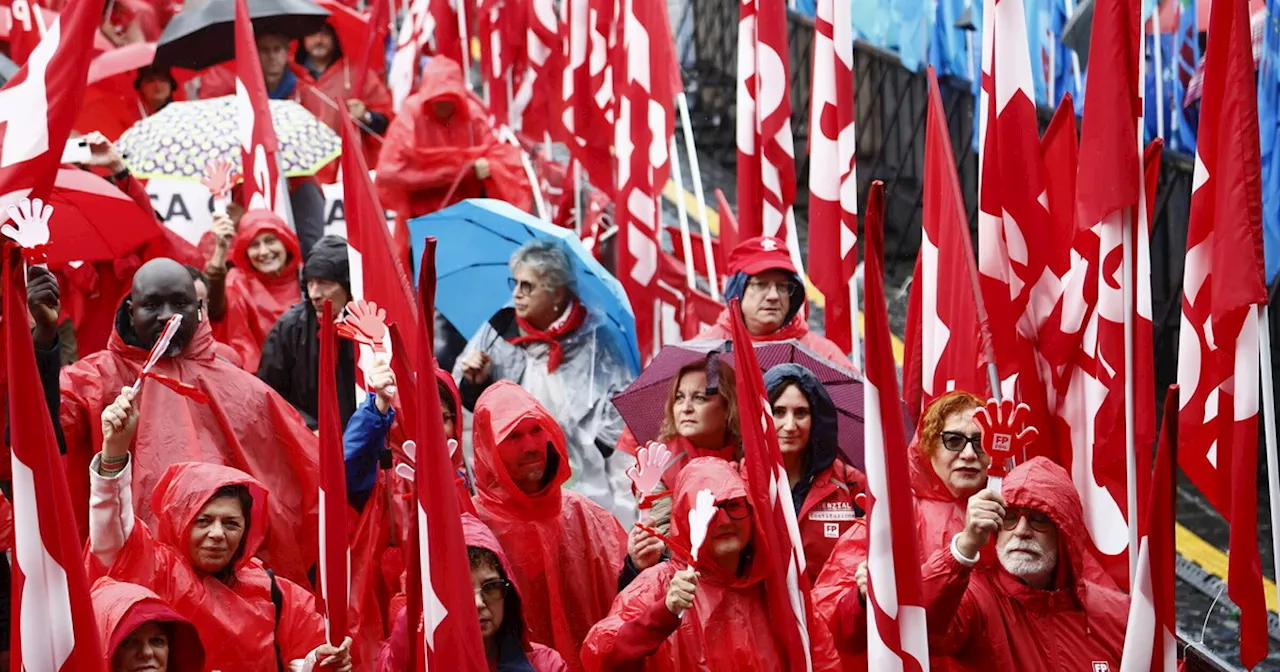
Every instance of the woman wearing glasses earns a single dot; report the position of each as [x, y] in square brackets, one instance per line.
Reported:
[549, 343]
[506, 637]
[713, 615]
[947, 467]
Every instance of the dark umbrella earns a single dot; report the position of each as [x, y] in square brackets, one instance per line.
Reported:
[7, 69]
[643, 404]
[205, 35]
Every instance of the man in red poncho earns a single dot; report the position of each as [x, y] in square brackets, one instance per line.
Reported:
[245, 424]
[771, 292]
[440, 149]
[1036, 609]
[325, 79]
[566, 551]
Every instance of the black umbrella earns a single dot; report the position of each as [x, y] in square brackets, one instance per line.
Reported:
[205, 35]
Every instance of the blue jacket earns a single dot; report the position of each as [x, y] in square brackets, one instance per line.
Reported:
[362, 445]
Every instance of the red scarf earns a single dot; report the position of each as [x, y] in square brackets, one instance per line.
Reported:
[570, 323]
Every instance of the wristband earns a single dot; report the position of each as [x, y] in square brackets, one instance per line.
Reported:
[120, 176]
[960, 558]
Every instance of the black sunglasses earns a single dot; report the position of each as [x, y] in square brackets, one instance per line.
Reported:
[1038, 520]
[955, 442]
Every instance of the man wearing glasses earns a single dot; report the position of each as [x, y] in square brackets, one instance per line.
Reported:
[1046, 604]
[771, 292]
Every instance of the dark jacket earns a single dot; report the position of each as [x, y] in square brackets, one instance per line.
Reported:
[824, 437]
[291, 364]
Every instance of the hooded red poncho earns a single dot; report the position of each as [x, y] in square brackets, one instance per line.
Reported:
[256, 300]
[246, 425]
[566, 551]
[120, 608]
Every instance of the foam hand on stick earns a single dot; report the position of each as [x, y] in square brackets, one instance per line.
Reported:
[366, 326]
[158, 350]
[28, 226]
[217, 179]
[1005, 434]
[646, 473]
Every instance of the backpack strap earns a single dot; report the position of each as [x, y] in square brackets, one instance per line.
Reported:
[277, 600]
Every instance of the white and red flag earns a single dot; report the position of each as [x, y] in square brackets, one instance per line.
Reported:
[335, 560]
[897, 638]
[766, 152]
[52, 624]
[1223, 289]
[264, 186]
[833, 182]
[1150, 644]
[502, 29]
[536, 101]
[28, 22]
[646, 120]
[769, 491]
[430, 26]
[39, 105]
[946, 318]
[591, 31]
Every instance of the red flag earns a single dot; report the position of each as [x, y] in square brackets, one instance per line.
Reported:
[377, 273]
[258, 145]
[537, 99]
[728, 224]
[501, 26]
[428, 22]
[833, 182]
[1060, 149]
[1223, 286]
[766, 157]
[1150, 644]
[53, 624]
[379, 15]
[946, 317]
[787, 585]
[587, 92]
[451, 631]
[40, 103]
[333, 492]
[28, 22]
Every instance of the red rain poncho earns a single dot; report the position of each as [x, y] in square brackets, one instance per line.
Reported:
[540, 658]
[729, 627]
[334, 86]
[566, 551]
[256, 300]
[828, 509]
[797, 329]
[423, 155]
[985, 618]
[236, 620]
[120, 608]
[246, 425]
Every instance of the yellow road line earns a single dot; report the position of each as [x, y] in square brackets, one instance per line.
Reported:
[1214, 561]
[671, 193]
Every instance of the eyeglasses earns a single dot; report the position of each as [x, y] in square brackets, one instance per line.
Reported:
[1038, 520]
[735, 509]
[784, 287]
[493, 590]
[522, 287]
[955, 442]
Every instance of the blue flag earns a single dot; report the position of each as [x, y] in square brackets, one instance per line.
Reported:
[1268, 119]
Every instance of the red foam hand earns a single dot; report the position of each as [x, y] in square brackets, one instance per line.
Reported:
[366, 324]
[218, 177]
[1005, 432]
[646, 473]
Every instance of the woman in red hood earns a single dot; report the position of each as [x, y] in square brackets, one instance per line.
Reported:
[498, 604]
[211, 521]
[245, 301]
[947, 467]
[141, 632]
[727, 625]
[566, 551]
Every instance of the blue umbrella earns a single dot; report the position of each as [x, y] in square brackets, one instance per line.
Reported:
[476, 237]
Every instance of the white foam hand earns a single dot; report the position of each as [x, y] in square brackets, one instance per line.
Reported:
[411, 449]
[651, 462]
[405, 471]
[29, 223]
[453, 447]
[700, 516]
[217, 179]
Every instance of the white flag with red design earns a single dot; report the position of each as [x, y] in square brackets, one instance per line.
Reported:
[502, 27]
[833, 182]
[897, 638]
[1223, 288]
[766, 152]
[586, 100]
[260, 165]
[429, 26]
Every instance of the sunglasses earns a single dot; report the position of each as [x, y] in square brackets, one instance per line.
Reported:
[493, 590]
[522, 287]
[955, 442]
[1038, 520]
[735, 509]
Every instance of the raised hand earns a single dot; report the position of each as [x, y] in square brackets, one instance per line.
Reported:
[651, 462]
[119, 424]
[680, 592]
[644, 548]
[982, 518]
[700, 516]
[29, 227]
[1005, 432]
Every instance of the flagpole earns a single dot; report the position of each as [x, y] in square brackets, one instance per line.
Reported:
[1156, 53]
[578, 197]
[855, 355]
[1075, 56]
[695, 173]
[1269, 429]
[1130, 448]
[465, 38]
[690, 275]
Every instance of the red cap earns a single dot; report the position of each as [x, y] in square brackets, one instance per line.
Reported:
[762, 253]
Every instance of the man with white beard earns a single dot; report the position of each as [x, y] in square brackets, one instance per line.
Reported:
[1045, 602]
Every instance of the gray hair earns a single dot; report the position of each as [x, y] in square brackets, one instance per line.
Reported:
[548, 259]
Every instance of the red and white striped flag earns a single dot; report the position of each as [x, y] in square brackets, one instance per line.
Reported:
[769, 491]
[591, 34]
[429, 25]
[833, 182]
[335, 561]
[897, 638]
[766, 155]
[53, 622]
[945, 314]
[264, 186]
[502, 27]
[1223, 287]
[536, 101]
[646, 121]
[1149, 643]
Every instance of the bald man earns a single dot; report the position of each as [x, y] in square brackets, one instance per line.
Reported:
[204, 409]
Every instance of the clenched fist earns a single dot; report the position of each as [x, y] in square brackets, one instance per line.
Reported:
[681, 590]
[983, 518]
